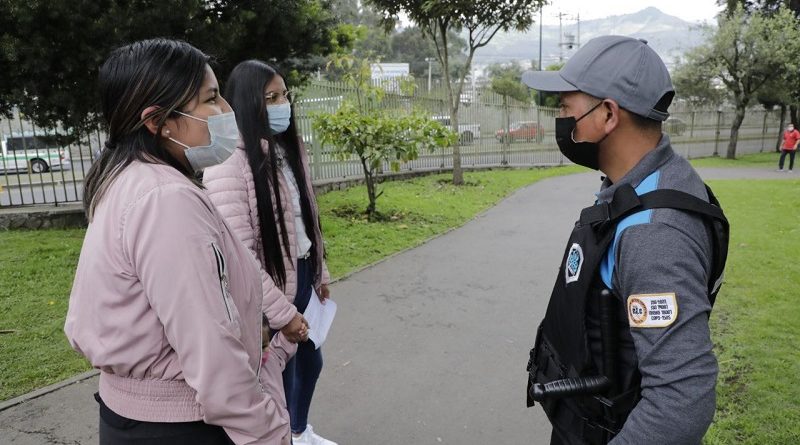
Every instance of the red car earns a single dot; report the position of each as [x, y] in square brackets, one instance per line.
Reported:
[522, 131]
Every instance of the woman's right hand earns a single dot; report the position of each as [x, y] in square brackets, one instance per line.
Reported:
[297, 329]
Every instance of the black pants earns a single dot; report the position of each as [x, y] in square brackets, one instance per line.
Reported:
[118, 430]
[791, 154]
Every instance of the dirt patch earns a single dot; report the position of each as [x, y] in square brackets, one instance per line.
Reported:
[354, 212]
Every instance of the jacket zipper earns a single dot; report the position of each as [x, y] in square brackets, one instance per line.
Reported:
[221, 272]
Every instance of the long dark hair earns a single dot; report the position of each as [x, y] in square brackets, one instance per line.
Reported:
[160, 72]
[245, 93]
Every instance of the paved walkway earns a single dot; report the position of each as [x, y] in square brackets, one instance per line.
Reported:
[429, 346]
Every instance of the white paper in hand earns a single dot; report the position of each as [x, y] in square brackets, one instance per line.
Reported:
[319, 317]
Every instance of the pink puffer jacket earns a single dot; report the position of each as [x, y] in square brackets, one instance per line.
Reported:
[232, 190]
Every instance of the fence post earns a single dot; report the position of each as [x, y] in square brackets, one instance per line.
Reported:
[316, 154]
[504, 149]
[716, 137]
[25, 157]
[442, 112]
[691, 128]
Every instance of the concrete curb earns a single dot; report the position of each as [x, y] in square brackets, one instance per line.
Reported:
[47, 389]
[43, 217]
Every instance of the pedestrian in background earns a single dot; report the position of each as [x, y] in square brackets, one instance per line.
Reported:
[791, 138]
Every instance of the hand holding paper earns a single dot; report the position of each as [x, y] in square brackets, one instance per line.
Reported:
[319, 317]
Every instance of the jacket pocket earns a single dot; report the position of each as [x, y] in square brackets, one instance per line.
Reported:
[224, 288]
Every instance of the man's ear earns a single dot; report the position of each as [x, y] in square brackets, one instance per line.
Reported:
[612, 115]
[150, 122]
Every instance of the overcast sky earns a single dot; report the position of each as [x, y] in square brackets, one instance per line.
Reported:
[689, 10]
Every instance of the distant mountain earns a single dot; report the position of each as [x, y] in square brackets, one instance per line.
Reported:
[668, 35]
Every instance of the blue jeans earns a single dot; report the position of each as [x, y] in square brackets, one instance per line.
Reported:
[302, 371]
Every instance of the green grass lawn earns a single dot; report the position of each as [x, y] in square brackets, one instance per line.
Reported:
[36, 271]
[37, 267]
[757, 160]
[755, 321]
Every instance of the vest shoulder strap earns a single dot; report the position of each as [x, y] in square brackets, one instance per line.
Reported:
[627, 202]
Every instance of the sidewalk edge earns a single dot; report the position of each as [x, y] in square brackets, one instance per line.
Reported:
[47, 389]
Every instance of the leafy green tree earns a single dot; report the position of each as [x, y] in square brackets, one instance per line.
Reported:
[296, 35]
[403, 45]
[759, 5]
[365, 126]
[481, 20]
[777, 93]
[50, 51]
[696, 79]
[770, 7]
[747, 51]
[548, 99]
[412, 46]
[372, 40]
[505, 81]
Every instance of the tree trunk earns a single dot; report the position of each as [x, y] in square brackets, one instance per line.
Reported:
[369, 179]
[441, 29]
[458, 174]
[793, 115]
[737, 123]
[780, 129]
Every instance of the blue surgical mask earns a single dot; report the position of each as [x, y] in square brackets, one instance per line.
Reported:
[279, 117]
[223, 135]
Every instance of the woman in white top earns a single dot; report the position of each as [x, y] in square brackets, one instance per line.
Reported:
[264, 192]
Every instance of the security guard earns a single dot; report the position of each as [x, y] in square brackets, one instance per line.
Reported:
[624, 354]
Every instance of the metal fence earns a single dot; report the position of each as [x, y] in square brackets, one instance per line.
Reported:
[36, 169]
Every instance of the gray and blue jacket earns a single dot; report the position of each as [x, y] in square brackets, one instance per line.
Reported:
[657, 252]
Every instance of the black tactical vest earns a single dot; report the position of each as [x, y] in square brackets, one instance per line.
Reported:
[587, 385]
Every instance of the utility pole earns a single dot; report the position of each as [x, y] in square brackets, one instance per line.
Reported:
[567, 40]
[472, 81]
[560, 38]
[540, 37]
[540, 58]
[429, 60]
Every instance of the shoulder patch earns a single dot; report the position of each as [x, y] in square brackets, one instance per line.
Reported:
[572, 270]
[652, 310]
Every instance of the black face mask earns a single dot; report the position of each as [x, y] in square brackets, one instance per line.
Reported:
[583, 153]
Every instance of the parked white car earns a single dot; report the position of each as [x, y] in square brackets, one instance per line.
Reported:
[466, 132]
[32, 153]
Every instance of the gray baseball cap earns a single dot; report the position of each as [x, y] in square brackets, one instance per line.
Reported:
[620, 68]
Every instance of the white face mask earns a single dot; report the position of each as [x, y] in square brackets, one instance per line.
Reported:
[224, 137]
[279, 117]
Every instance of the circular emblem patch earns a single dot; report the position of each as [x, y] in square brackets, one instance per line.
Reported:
[572, 268]
[637, 311]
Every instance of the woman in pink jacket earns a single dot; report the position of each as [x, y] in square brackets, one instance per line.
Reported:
[166, 300]
[264, 192]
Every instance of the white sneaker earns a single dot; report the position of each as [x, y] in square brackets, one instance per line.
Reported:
[309, 437]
